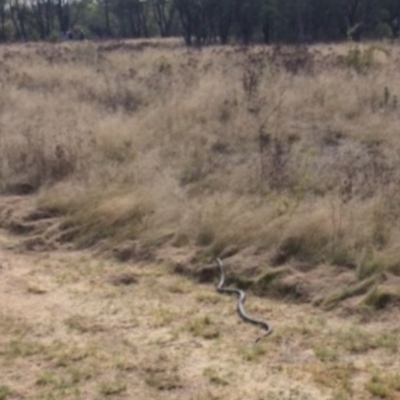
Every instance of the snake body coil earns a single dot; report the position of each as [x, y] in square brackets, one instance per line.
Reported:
[240, 302]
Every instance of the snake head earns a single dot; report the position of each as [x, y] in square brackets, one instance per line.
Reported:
[263, 336]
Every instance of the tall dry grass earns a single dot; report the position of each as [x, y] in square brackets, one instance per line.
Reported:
[293, 151]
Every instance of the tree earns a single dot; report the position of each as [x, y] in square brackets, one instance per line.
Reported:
[204, 21]
[18, 15]
[164, 15]
[224, 19]
[247, 17]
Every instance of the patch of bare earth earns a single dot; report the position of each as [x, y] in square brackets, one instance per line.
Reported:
[73, 326]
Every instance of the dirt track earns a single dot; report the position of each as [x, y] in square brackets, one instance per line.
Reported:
[76, 327]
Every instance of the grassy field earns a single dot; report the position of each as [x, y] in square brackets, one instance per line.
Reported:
[75, 327]
[276, 156]
[127, 167]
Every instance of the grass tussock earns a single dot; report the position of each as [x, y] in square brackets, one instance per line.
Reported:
[384, 387]
[292, 151]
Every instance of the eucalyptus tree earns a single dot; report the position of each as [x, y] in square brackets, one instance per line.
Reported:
[19, 11]
[3, 19]
[224, 19]
[204, 21]
[164, 12]
[247, 14]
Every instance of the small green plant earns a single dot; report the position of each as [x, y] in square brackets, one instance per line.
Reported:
[388, 341]
[378, 389]
[204, 328]
[252, 352]
[214, 377]
[163, 317]
[46, 379]
[360, 60]
[208, 298]
[384, 387]
[359, 341]
[17, 348]
[78, 374]
[110, 388]
[325, 353]
[356, 341]
[4, 392]
[178, 287]
[340, 395]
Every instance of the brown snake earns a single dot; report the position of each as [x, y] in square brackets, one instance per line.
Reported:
[240, 303]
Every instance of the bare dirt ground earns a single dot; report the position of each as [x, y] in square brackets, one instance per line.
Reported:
[73, 326]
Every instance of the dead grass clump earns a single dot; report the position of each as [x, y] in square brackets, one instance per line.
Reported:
[114, 140]
[299, 59]
[119, 216]
[339, 294]
[325, 233]
[220, 222]
[113, 95]
[12, 325]
[83, 324]
[359, 341]
[40, 149]
[268, 279]
[335, 375]
[161, 373]
[34, 165]
[380, 297]
[306, 241]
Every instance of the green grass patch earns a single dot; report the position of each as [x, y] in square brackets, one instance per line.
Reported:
[204, 327]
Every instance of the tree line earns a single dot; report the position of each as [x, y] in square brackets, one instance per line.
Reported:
[202, 21]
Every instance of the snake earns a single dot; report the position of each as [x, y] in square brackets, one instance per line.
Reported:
[240, 303]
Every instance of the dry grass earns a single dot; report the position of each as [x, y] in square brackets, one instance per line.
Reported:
[294, 153]
[87, 338]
